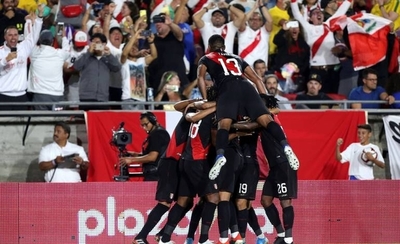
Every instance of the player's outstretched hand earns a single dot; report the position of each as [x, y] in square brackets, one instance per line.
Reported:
[339, 142]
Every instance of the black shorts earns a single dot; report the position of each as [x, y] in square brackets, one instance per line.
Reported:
[234, 161]
[194, 179]
[168, 179]
[282, 180]
[246, 184]
[239, 95]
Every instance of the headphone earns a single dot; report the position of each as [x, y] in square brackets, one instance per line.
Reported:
[150, 116]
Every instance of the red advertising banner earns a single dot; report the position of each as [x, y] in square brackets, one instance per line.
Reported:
[312, 135]
[96, 213]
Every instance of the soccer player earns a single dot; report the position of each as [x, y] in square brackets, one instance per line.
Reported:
[227, 71]
[168, 179]
[194, 173]
[281, 181]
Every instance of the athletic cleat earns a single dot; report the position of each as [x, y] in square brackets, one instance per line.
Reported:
[189, 241]
[168, 242]
[279, 240]
[293, 160]
[216, 169]
[140, 241]
[207, 242]
[262, 240]
[237, 240]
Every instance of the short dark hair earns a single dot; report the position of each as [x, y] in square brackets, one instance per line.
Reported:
[258, 61]
[216, 42]
[239, 6]
[101, 36]
[365, 127]
[65, 127]
[368, 71]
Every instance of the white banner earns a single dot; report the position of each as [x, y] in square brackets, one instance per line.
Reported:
[392, 131]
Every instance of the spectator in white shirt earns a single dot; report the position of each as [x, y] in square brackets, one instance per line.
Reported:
[55, 158]
[78, 47]
[46, 71]
[320, 38]
[217, 23]
[13, 63]
[254, 37]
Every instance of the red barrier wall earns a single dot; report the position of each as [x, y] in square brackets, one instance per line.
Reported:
[326, 212]
[312, 135]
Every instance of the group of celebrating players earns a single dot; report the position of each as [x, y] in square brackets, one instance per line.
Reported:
[212, 155]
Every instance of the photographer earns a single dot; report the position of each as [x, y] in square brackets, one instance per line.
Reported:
[152, 148]
[96, 66]
[61, 159]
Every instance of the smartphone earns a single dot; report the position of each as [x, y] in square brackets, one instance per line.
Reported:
[60, 27]
[292, 24]
[146, 33]
[173, 88]
[13, 49]
[99, 47]
[98, 7]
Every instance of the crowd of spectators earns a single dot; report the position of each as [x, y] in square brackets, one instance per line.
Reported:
[100, 51]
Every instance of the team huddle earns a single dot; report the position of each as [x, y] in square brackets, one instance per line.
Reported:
[212, 155]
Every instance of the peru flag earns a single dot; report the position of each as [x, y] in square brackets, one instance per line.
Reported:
[368, 39]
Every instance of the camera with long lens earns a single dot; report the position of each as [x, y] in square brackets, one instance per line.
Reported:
[121, 138]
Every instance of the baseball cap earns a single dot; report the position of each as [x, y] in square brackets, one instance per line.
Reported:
[313, 10]
[365, 126]
[218, 11]
[46, 38]
[80, 39]
[315, 77]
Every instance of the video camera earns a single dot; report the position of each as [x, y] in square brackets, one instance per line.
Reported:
[121, 137]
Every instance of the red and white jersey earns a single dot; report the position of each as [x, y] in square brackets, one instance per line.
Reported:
[228, 31]
[253, 45]
[320, 38]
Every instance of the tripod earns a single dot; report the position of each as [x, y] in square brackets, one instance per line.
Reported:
[123, 170]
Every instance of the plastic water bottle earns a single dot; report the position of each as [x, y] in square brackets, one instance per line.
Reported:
[150, 97]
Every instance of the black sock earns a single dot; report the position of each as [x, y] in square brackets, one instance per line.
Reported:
[155, 215]
[233, 223]
[206, 220]
[288, 219]
[276, 131]
[242, 216]
[253, 222]
[195, 219]
[223, 218]
[221, 141]
[174, 217]
[273, 216]
[189, 206]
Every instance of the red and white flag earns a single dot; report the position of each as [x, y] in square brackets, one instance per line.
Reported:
[368, 38]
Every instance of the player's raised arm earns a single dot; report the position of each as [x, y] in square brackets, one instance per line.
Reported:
[250, 74]
[201, 74]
